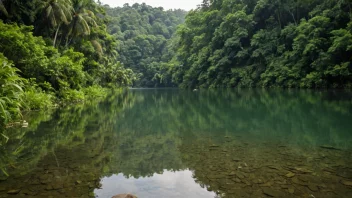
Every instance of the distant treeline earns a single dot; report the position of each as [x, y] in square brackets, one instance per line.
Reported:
[145, 36]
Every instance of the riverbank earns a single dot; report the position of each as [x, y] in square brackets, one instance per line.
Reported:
[35, 105]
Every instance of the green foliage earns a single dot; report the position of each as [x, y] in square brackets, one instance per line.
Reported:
[265, 43]
[34, 98]
[66, 71]
[71, 96]
[94, 92]
[145, 43]
[63, 47]
[10, 91]
[74, 49]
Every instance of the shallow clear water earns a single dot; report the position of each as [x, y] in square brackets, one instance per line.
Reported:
[179, 143]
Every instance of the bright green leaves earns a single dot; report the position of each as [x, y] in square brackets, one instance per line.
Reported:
[341, 41]
[10, 91]
[81, 54]
[66, 71]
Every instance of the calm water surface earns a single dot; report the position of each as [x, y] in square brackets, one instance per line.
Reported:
[179, 143]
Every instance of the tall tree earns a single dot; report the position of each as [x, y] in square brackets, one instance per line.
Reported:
[83, 19]
[57, 12]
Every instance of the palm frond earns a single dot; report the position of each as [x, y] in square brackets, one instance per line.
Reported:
[3, 9]
[97, 46]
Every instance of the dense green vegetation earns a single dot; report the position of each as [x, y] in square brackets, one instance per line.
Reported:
[54, 50]
[233, 43]
[144, 34]
[266, 43]
[70, 50]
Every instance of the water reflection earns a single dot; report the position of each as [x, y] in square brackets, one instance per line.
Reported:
[167, 184]
[235, 143]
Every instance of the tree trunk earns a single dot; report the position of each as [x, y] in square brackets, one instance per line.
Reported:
[293, 16]
[57, 31]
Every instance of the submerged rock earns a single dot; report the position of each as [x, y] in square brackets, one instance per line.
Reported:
[124, 196]
[302, 170]
[297, 181]
[346, 183]
[344, 173]
[237, 180]
[313, 188]
[57, 185]
[267, 184]
[290, 174]
[232, 173]
[272, 193]
[13, 192]
[291, 190]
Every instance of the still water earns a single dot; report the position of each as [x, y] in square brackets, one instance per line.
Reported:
[179, 143]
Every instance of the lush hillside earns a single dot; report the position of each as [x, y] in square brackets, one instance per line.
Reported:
[53, 51]
[144, 34]
[266, 43]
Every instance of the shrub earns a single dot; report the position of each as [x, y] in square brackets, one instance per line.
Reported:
[10, 91]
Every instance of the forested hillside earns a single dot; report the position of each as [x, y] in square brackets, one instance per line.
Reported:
[144, 34]
[53, 51]
[266, 43]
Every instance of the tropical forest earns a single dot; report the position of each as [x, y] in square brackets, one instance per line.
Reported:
[229, 98]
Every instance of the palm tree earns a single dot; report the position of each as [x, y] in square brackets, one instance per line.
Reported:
[83, 19]
[57, 12]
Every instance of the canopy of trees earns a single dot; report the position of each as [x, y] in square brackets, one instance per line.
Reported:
[265, 43]
[144, 34]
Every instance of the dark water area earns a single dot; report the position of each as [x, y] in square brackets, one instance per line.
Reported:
[180, 143]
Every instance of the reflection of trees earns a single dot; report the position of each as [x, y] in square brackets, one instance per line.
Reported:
[70, 126]
[163, 119]
[141, 132]
[145, 155]
[145, 140]
[304, 117]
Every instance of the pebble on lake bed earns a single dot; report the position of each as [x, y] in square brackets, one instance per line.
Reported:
[13, 192]
[290, 174]
[346, 183]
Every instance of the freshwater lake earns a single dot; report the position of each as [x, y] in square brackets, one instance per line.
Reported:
[181, 143]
